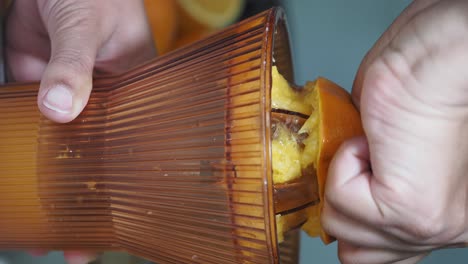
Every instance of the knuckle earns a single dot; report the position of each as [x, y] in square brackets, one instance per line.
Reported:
[437, 226]
[347, 257]
[424, 221]
[420, 219]
[67, 12]
[426, 228]
[456, 20]
[326, 225]
[332, 199]
[347, 147]
[416, 218]
[344, 258]
[382, 88]
[73, 59]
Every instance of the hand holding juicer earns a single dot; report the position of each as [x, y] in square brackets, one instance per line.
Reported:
[173, 161]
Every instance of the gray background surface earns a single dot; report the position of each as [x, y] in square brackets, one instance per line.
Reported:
[329, 38]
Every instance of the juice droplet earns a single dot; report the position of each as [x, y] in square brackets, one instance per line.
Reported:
[91, 185]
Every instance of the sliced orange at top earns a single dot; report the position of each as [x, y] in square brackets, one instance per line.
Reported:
[212, 14]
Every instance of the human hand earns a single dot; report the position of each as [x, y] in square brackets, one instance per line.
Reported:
[402, 191]
[72, 257]
[62, 42]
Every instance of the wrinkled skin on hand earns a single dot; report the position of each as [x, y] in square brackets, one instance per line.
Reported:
[63, 43]
[402, 191]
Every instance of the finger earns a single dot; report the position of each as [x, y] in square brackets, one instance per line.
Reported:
[128, 46]
[348, 187]
[23, 67]
[357, 233]
[79, 257]
[75, 37]
[349, 253]
[411, 11]
[354, 232]
[24, 62]
[353, 190]
[413, 260]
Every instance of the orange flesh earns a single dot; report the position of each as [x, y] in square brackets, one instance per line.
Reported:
[333, 119]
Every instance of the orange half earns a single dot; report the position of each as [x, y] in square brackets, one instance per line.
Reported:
[338, 120]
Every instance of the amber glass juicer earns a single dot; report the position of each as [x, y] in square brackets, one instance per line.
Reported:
[170, 161]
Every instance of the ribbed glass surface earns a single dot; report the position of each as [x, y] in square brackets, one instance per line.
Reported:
[170, 162]
[289, 249]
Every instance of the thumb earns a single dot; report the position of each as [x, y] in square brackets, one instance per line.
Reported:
[67, 81]
[350, 182]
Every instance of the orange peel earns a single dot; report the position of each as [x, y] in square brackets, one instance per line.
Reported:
[337, 121]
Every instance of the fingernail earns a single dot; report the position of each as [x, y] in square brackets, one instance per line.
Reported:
[59, 99]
